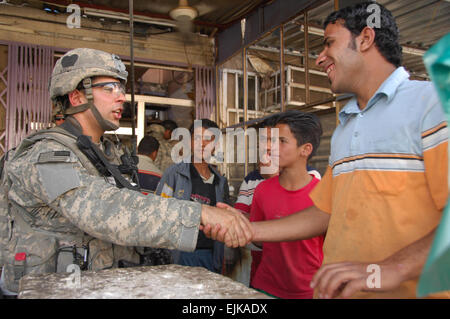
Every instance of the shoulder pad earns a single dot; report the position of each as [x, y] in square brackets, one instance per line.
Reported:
[57, 173]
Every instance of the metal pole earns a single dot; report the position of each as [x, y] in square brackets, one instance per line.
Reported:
[245, 80]
[306, 59]
[282, 74]
[217, 109]
[133, 116]
[336, 98]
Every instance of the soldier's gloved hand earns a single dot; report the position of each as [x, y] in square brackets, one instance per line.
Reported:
[229, 227]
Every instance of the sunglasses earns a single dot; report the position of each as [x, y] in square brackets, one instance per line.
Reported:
[115, 88]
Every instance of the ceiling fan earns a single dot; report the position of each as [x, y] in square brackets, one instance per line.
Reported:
[183, 12]
[184, 15]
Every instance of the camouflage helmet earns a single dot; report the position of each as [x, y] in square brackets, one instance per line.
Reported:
[81, 63]
[156, 130]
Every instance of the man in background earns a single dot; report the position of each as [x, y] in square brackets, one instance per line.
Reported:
[148, 174]
[163, 133]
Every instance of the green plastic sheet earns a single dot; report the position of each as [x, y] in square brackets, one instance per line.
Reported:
[435, 276]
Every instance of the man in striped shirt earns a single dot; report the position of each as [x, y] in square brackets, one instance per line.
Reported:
[383, 193]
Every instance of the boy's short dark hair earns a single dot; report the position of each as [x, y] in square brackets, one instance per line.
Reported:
[169, 125]
[148, 145]
[305, 127]
[269, 121]
[206, 124]
[386, 36]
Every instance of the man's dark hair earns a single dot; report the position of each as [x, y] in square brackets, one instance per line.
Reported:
[148, 145]
[206, 124]
[269, 121]
[169, 125]
[305, 127]
[386, 36]
[64, 102]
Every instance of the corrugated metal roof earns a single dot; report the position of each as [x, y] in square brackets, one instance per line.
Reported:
[211, 13]
[421, 23]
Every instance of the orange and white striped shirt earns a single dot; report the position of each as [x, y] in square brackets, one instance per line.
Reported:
[386, 183]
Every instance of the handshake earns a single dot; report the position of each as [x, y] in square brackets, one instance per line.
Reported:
[226, 224]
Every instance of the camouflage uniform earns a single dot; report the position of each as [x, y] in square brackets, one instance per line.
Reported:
[61, 207]
[61, 203]
[163, 159]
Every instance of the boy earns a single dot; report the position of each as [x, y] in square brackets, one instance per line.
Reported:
[286, 268]
[245, 198]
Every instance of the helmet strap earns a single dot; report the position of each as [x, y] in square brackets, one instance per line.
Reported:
[104, 124]
[77, 109]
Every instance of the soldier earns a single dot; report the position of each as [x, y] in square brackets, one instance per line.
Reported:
[163, 159]
[169, 127]
[57, 116]
[59, 119]
[70, 202]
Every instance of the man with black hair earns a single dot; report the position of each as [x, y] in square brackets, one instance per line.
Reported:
[170, 126]
[148, 174]
[382, 196]
[163, 133]
[196, 180]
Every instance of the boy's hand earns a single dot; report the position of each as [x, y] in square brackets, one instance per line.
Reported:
[216, 233]
[220, 232]
[230, 226]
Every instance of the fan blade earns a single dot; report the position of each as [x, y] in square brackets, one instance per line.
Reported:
[260, 65]
[205, 8]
